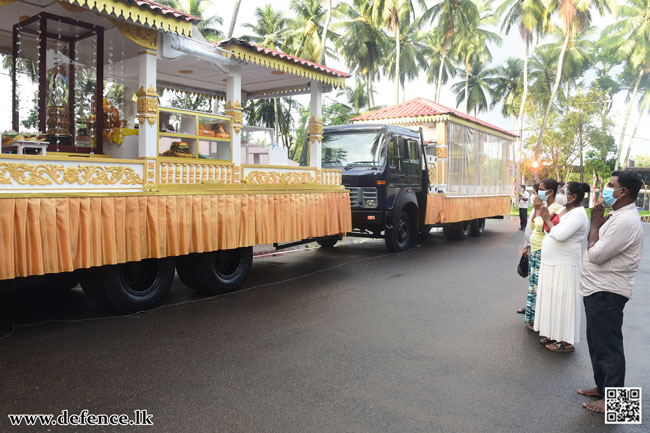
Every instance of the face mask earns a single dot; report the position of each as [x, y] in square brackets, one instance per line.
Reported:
[561, 199]
[608, 196]
[542, 195]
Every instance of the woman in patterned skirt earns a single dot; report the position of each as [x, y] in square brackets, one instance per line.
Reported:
[534, 236]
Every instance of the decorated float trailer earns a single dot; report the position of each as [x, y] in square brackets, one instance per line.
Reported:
[116, 192]
[417, 165]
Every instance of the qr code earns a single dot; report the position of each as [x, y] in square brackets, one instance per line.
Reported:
[623, 405]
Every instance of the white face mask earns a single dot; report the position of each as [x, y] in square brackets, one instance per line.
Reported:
[560, 198]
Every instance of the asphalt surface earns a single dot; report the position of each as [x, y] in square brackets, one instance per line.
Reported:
[351, 339]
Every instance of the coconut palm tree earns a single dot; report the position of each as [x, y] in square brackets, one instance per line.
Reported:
[644, 109]
[303, 37]
[527, 16]
[209, 27]
[509, 87]
[269, 28]
[233, 20]
[362, 42]
[629, 37]
[543, 65]
[452, 16]
[357, 96]
[391, 14]
[412, 54]
[434, 52]
[575, 16]
[476, 88]
[328, 17]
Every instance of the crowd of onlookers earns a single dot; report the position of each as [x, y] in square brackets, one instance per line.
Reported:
[575, 260]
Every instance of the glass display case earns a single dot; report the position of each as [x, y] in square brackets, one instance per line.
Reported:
[190, 134]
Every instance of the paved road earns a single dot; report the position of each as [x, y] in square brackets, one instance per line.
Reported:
[345, 340]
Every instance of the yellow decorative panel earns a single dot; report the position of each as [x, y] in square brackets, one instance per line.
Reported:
[145, 37]
[441, 152]
[51, 174]
[274, 178]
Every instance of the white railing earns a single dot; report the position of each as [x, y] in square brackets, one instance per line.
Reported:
[179, 171]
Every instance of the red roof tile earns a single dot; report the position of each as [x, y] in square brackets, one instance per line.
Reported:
[165, 10]
[285, 56]
[420, 107]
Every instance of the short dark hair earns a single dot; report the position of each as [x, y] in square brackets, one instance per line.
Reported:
[630, 180]
[578, 189]
[536, 187]
[523, 186]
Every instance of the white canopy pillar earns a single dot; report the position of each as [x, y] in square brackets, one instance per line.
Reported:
[234, 110]
[147, 106]
[316, 125]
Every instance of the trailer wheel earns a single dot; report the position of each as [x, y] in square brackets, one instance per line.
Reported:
[449, 231]
[224, 271]
[133, 286]
[188, 272]
[329, 241]
[463, 230]
[478, 226]
[400, 237]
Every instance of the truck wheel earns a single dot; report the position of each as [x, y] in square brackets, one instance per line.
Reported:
[93, 287]
[187, 270]
[224, 271]
[137, 286]
[400, 237]
[329, 241]
[449, 230]
[463, 230]
[424, 233]
[478, 226]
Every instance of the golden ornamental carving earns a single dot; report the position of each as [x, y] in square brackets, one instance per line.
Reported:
[276, 178]
[151, 118]
[67, 6]
[150, 187]
[235, 111]
[315, 129]
[143, 36]
[441, 152]
[433, 174]
[49, 174]
[147, 104]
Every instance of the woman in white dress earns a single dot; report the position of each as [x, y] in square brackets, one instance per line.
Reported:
[559, 303]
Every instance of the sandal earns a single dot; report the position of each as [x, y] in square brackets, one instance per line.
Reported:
[544, 341]
[521, 311]
[559, 347]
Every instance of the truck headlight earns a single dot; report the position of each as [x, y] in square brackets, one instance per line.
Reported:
[370, 203]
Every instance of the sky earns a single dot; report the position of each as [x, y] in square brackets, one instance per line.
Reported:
[512, 46]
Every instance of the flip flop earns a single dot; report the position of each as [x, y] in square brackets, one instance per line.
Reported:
[544, 341]
[521, 311]
[559, 347]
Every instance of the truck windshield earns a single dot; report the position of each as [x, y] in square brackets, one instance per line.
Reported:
[354, 149]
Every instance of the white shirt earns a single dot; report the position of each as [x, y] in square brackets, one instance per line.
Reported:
[564, 243]
[612, 263]
[523, 200]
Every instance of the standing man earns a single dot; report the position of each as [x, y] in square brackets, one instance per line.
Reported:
[523, 207]
[608, 271]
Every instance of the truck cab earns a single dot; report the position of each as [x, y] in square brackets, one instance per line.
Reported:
[383, 168]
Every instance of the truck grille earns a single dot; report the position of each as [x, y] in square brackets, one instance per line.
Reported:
[359, 195]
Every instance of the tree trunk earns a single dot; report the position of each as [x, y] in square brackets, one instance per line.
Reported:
[234, 19]
[397, 58]
[642, 111]
[627, 118]
[403, 92]
[466, 89]
[439, 82]
[368, 88]
[522, 109]
[321, 58]
[556, 86]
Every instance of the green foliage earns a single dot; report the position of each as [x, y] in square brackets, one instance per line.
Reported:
[642, 160]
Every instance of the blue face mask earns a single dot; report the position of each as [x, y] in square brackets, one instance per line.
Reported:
[542, 195]
[608, 196]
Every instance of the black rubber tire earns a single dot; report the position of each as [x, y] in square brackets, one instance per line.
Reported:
[224, 271]
[188, 272]
[424, 234]
[401, 236]
[463, 230]
[93, 287]
[137, 286]
[478, 226]
[329, 241]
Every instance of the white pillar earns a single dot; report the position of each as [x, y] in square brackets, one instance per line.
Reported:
[147, 106]
[234, 109]
[316, 125]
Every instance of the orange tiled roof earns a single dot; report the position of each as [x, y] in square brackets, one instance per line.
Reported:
[421, 107]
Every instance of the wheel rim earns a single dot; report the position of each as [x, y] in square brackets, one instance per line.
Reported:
[140, 278]
[465, 227]
[403, 231]
[227, 263]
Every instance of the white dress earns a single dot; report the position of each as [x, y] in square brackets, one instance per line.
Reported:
[559, 303]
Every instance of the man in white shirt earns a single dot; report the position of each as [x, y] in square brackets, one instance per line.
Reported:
[609, 268]
[523, 207]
